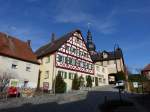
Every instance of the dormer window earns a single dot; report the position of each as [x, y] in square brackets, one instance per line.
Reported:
[105, 55]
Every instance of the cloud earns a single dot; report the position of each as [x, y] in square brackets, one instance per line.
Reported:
[70, 17]
[76, 14]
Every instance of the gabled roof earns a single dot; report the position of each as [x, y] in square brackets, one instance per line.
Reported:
[146, 68]
[111, 56]
[15, 48]
[55, 45]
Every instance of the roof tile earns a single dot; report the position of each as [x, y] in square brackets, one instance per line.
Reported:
[15, 48]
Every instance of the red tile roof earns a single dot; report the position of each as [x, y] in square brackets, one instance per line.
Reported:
[15, 48]
[146, 68]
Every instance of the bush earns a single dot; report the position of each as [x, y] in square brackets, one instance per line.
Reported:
[96, 81]
[89, 81]
[60, 85]
[75, 83]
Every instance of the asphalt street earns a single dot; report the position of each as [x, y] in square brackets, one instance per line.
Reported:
[89, 103]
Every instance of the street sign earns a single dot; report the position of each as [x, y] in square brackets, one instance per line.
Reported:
[135, 84]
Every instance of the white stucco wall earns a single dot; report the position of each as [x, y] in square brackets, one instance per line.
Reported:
[111, 65]
[20, 72]
[102, 73]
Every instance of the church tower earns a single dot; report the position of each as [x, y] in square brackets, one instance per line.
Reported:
[90, 44]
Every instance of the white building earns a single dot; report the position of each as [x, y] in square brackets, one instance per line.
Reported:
[18, 61]
[101, 72]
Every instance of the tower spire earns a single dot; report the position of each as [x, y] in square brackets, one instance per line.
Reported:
[90, 44]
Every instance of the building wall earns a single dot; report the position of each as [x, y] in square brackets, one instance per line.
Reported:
[20, 72]
[102, 73]
[111, 65]
[47, 66]
[53, 71]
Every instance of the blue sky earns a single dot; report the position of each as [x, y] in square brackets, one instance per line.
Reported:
[126, 22]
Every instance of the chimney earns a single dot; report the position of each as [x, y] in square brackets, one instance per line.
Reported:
[29, 43]
[53, 38]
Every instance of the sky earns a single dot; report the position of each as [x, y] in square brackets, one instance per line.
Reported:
[125, 22]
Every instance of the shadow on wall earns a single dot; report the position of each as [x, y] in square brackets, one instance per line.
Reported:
[90, 104]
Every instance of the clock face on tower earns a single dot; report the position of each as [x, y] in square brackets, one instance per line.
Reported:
[73, 55]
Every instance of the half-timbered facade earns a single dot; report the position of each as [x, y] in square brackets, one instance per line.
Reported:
[66, 56]
[73, 55]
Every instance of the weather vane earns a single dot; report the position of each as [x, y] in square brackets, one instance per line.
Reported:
[88, 25]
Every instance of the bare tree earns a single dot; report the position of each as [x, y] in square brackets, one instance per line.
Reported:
[4, 80]
[5, 76]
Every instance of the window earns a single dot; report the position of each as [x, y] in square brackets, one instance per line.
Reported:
[84, 65]
[81, 64]
[71, 75]
[59, 72]
[46, 75]
[67, 48]
[66, 59]
[92, 79]
[86, 77]
[90, 66]
[63, 74]
[70, 61]
[73, 62]
[28, 69]
[47, 60]
[77, 51]
[87, 65]
[100, 79]
[76, 63]
[60, 58]
[14, 66]
[104, 81]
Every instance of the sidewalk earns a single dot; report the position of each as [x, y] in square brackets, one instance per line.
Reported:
[43, 98]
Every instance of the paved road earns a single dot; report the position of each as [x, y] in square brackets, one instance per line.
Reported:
[89, 104]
